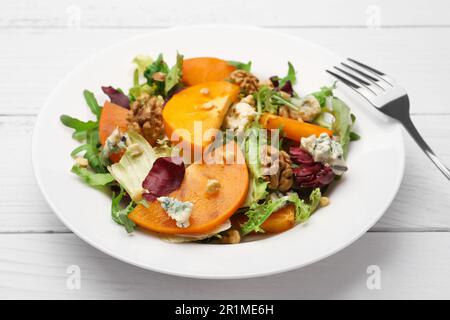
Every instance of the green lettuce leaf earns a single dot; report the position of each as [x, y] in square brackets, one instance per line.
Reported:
[260, 212]
[342, 124]
[258, 185]
[324, 92]
[157, 66]
[142, 62]
[120, 214]
[241, 65]
[174, 75]
[291, 76]
[131, 170]
[92, 178]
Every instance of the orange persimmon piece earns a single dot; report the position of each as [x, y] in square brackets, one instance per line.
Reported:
[291, 128]
[195, 113]
[112, 117]
[199, 70]
[279, 221]
[209, 209]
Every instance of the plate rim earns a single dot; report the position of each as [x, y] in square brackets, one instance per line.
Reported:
[396, 126]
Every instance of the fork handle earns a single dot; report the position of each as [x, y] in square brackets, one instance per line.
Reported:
[411, 128]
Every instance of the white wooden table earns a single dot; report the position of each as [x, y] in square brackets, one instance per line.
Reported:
[40, 41]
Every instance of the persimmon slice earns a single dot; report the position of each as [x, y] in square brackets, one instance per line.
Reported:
[192, 115]
[209, 210]
[205, 69]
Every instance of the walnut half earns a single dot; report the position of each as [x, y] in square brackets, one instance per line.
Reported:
[145, 117]
[283, 179]
[245, 80]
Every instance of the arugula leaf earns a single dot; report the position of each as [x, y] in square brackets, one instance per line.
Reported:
[342, 123]
[241, 65]
[268, 100]
[76, 124]
[264, 101]
[174, 75]
[291, 76]
[324, 92]
[79, 149]
[92, 178]
[119, 214]
[93, 154]
[92, 103]
[258, 213]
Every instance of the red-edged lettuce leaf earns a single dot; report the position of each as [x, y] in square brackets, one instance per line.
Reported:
[165, 176]
[117, 97]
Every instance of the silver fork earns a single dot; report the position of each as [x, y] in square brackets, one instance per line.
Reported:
[387, 96]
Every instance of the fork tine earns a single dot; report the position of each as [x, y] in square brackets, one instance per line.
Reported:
[344, 80]
[378, 74]
[361, 90]
[363, 74]
[366, 67]
[357, 79]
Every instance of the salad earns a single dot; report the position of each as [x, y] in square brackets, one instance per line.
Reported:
[206, 151]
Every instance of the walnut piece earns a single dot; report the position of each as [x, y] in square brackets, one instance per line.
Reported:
[231, 236]
[145, 117]
[245, 80]
[283, 177]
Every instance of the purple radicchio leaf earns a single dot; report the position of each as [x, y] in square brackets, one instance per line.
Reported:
[287, 87]
[164, 177]
[117, 97]
[309, 174]
[275, 81]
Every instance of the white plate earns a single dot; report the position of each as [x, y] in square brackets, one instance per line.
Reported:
[376, 162]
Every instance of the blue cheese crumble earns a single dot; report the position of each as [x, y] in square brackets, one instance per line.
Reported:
[178, 210]
[114, 143]
[324, 149]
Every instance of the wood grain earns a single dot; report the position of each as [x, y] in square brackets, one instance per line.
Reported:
[144, 13]
[422, 203]
[43, 40]
[35, 61]
[34, 266]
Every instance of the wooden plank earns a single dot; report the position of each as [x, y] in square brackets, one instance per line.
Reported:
[36, 60]
[422, 203]
[35, 266]
[142, 13]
